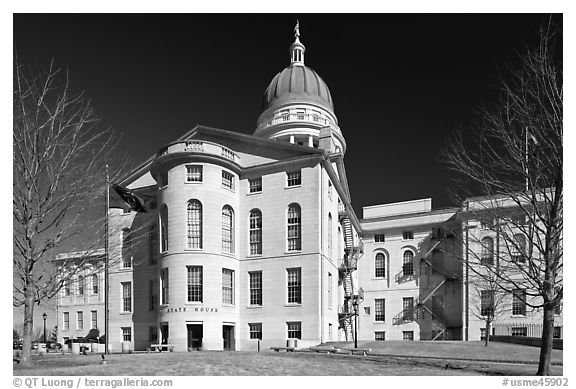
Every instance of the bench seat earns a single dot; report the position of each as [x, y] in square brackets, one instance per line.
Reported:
[287, 349]
[327, 350]
[364, 351]
[160, 347]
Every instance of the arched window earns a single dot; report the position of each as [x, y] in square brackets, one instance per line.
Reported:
[518, 249]
[408, 264]
[380, 266]
[294, 228]
[255, 232]
[487, 255]
[126, 248]
[330, 235]
[194, 225]
[164, 228]
[227, 229]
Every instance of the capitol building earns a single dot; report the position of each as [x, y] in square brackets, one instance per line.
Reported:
[251, 242]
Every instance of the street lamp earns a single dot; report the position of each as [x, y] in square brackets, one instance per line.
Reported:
[355, 305]
[44, 316]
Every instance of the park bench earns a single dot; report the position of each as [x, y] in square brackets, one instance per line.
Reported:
[327, 350]
[287, 349]
[160, 347]
[364, 351]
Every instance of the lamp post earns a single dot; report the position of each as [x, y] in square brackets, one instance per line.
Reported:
[44, 316]
[355, 305]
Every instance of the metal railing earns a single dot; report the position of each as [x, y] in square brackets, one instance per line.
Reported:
[532, 330]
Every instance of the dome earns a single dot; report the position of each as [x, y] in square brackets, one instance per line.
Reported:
[297, 84]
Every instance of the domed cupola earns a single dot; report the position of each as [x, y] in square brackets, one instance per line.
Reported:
[297, 105]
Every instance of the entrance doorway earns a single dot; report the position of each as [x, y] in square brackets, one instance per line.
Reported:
[228, 336]
[164, 332]
[194, 336]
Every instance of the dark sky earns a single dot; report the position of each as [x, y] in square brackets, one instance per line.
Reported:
[401, 83]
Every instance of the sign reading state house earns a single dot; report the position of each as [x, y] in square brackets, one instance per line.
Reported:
[188, 309]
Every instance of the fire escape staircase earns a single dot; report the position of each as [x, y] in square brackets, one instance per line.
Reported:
[348, 265]
[418, 311]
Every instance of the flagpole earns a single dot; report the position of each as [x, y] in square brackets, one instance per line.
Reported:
[107, 339]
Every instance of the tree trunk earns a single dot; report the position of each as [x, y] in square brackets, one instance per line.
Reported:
[547, 340]
[28, 330]
[487, 337]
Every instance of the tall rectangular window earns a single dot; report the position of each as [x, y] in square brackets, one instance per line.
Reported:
[408, 308]
[80, 285]
[518, 251]
[194, 224]
[66, 320]
[127, 334]
[330, 228]
[255, 288]
[294, 330]
[153, 295]
[164, 228]
[379, 238]
[227, 286]
[255, 330]
[227, 180]
[195, 284]
[486, 302]
[293, 178]
[330, 189]
[255, 232]
[67, 288]
[95, 284]
[93, 319]
[487, 254]
[193, 173]
[255, 185]
[380, 266]
[79, 320]
[379, 314]
[330, 290]
[153, 244]
[126, 248]
[294, 286]
[557, 334]
[519, 302]
[227, 229]
[126, 297]
[164, 285]
[294, 228]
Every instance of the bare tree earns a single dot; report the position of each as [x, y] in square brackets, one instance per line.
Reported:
[515, 163]
[489, 302]
[59, 150]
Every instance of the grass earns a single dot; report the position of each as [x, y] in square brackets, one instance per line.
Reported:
[458, 350]
[268, 363]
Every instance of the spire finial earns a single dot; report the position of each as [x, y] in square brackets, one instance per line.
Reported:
[297, 31]
[297, 48]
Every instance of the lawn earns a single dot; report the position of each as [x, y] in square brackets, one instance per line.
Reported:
[452, 349]
[268, 363]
